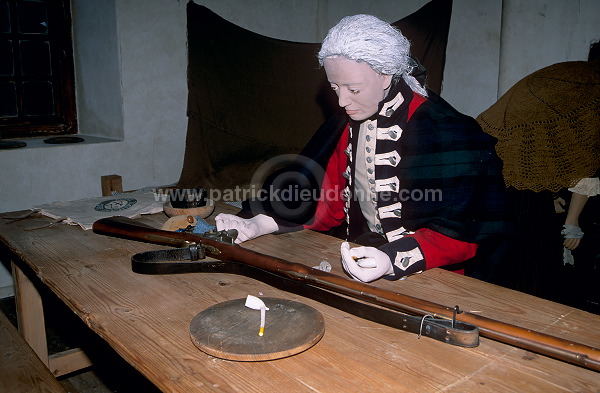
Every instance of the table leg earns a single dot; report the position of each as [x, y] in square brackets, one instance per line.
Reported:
[32, 326]
[30, 313]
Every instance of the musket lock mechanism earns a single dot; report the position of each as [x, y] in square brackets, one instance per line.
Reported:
[189, 251]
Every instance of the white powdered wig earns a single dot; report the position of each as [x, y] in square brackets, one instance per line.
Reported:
[366, 38]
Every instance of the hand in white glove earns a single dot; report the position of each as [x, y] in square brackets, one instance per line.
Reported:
[247, 228]
[365, 263]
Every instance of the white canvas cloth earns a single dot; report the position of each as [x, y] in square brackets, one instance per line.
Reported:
[85, 212]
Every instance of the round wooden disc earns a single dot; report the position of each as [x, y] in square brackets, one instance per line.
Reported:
[229, 330]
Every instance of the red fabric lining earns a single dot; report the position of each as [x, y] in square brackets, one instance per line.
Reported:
[414, 104]
[441, 250]
[330, 208]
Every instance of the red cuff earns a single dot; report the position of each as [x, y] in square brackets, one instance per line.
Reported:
[441, 250]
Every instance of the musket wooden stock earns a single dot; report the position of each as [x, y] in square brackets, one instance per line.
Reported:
[555, 347]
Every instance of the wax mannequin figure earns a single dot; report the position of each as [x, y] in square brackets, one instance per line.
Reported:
[414, 181]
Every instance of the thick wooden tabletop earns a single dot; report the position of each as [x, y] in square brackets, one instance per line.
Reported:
[146, 319]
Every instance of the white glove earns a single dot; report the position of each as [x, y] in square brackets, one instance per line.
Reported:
[365, 263]
[249, 228]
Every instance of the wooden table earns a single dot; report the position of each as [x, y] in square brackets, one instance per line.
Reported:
[146, 319]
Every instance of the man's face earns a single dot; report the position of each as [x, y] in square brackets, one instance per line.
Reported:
[358, 87]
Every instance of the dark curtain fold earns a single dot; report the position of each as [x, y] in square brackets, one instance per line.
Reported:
[251, 97]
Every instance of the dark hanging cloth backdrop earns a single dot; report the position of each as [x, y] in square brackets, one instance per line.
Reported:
[251, 97]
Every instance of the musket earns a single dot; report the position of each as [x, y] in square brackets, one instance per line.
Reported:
[220, 246]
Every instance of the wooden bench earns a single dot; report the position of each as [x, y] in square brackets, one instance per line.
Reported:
[21, 370]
